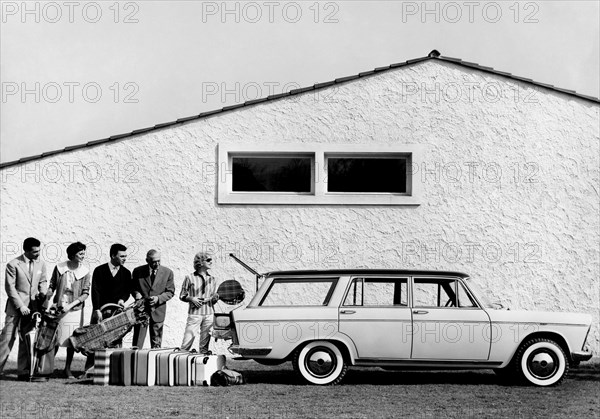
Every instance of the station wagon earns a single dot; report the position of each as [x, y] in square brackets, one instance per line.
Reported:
[325, 321]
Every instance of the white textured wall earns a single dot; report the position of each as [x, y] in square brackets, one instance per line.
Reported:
[523, 221]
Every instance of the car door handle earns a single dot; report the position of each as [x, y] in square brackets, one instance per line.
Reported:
[420, 311]
[347, 311]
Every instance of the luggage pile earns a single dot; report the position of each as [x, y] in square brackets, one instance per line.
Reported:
[155, 367]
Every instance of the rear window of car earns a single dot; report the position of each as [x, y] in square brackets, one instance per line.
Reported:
[299, 292]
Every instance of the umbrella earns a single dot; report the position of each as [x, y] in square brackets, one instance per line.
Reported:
[231, 292]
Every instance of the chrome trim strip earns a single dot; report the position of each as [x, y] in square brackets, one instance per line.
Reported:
[542, 324]
[426, 363]
[246, 351]
[334, 320]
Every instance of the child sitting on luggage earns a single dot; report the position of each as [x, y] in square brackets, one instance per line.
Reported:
[199, 290]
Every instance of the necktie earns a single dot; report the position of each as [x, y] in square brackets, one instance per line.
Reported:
[31, 269]
[203, 286]
[152, 277]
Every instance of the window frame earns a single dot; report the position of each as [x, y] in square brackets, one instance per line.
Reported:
[333, 280]
[381, 279]
[319, 154]
[457, 280]
[270, 155]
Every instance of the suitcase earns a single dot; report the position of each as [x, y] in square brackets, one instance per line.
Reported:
[164, 366]
[204, 366]
[102, 366]
[124, 366]
[173, 365]
[184, 369]
[115, 371]
[145, 366]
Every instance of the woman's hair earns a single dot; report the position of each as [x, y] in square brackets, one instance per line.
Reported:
[74, 248]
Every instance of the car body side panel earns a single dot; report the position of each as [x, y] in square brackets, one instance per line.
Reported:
[284, 328]
[511, 328]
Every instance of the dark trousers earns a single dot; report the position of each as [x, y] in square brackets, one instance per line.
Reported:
[156, 330]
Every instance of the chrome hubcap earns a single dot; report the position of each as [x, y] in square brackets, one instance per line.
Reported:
[542, 364]
[320, 362]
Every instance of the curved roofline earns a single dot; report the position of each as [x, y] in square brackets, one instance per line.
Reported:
[362, 271]
[433, 55]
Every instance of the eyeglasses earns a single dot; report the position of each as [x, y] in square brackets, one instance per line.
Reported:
[208, 260]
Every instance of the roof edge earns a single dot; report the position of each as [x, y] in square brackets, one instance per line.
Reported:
[433, 55]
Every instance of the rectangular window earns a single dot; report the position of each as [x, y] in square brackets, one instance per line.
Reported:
[371, 292]
[299, 292]
[272, 174]
[366, 174]
[319, 174]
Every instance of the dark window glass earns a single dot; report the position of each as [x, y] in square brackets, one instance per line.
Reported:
[366, 175]
[271, 174]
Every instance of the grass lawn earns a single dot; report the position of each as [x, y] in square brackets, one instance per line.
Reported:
[275, 392]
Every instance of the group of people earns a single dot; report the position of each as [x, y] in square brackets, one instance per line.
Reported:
[28, 290]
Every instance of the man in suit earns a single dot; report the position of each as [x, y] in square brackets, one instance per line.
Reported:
[111, 284]
[26, 281]
[156, 285]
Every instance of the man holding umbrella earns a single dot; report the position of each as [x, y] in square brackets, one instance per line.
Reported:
[25, 280]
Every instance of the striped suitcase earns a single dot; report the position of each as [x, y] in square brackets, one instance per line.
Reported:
[102, 366]
[124, 364]
[204, 367]
[145, 366]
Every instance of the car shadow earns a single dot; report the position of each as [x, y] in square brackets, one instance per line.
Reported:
[375, 376]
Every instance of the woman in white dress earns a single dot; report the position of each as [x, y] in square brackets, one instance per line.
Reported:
[70, 284]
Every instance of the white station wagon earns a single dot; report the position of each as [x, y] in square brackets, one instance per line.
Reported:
[325, 321]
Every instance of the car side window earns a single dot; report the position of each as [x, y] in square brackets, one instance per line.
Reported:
[464, 299]
[373, 292]
[434, 292]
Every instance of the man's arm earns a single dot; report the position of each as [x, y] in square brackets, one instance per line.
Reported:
[11, 287]
[183, 295]
[136, 290]
[43, 284]
[127, 290]
[96, 289]
[169, 291]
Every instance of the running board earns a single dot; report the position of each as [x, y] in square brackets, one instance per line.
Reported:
[380, 362]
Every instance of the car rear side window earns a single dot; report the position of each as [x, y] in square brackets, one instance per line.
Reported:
[299, 292]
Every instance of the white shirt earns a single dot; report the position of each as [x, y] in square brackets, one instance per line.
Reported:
[113, 269]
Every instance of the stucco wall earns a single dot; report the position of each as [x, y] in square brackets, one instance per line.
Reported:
[510, 179]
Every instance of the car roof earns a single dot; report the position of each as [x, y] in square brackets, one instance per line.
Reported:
[410, 272]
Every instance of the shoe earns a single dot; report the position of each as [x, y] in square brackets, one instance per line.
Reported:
[23, 377]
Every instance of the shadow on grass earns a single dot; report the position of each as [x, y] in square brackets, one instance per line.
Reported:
[285, 375]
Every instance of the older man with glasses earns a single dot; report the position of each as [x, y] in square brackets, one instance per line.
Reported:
[199, 290]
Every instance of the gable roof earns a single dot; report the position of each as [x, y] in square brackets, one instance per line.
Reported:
[433, 55]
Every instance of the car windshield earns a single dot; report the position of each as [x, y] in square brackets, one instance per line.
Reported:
[481, 295]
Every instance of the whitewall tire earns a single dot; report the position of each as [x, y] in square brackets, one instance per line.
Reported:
[542, 362]
[320, 363]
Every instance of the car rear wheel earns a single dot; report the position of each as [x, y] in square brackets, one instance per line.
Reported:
[321, 363]
[542, 362]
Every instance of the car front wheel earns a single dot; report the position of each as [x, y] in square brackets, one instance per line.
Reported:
[321, 363]
[542, 362]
